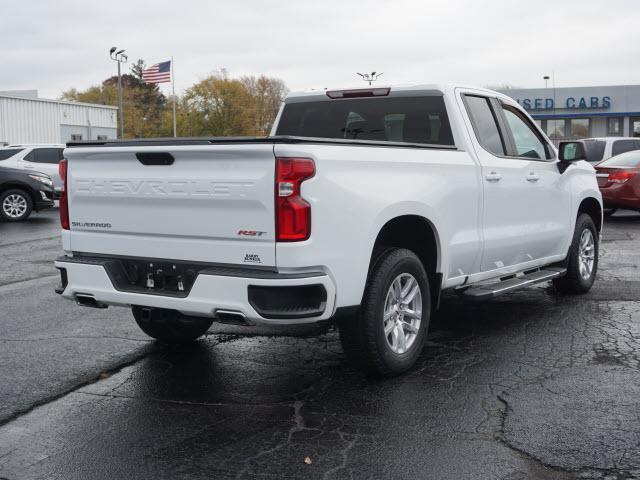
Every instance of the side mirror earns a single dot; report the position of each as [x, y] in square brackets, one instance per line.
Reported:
[572, 151]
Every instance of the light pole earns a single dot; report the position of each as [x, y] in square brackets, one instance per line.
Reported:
[369, 77]
[546, 81]
[120, 57]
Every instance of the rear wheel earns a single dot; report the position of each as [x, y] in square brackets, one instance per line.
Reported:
[387, 335]
[170, 326]
[15, 205]
[582, 262]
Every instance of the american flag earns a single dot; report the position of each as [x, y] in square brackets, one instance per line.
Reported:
[158, 73]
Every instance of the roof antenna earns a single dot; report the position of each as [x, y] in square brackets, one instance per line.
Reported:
[370, 77]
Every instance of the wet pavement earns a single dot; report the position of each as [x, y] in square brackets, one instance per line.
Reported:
[530, 385]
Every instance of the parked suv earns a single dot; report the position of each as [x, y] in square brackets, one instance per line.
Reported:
[361, 207]
[43, 158]
[23, 192]
[602, 148]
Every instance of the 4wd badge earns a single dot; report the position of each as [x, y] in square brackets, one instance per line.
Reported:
[252, 258]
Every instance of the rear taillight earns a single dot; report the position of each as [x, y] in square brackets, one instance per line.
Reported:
[620, 177]
[64, 205]
[293, 213]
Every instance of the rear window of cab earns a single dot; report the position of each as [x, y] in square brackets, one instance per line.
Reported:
[421, 120]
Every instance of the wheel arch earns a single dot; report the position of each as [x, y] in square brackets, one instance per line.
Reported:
[592, 207]
[20, 186]
[418, 234]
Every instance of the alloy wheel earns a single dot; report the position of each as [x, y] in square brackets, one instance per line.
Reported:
[402, 313]
[586, 254]
[14, 205]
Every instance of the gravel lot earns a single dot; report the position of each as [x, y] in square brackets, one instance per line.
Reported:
[531, 385]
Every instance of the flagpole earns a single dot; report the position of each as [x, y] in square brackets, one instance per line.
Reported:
[173, 86]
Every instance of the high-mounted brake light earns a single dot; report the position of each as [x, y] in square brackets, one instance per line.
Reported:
[620, 177]
[64, 204]
[368, 92]
[293, 213]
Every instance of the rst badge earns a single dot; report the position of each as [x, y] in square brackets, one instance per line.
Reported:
[250, 233]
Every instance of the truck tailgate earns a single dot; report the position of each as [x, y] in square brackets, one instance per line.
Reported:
[203, 203]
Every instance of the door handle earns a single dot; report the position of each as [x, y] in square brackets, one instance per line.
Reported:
[493, 177]
[532, 177]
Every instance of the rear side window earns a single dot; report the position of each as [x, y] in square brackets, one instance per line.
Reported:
[624, 160]
[594, 150]
[390, 119]
[9, 152]
[45, 155]
[621, 146]
[485, 124]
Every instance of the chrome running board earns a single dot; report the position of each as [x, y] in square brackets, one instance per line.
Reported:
[490, 290]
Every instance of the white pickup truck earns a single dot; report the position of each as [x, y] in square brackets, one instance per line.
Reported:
[360, 207]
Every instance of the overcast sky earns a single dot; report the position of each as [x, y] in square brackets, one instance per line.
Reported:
[54, 45]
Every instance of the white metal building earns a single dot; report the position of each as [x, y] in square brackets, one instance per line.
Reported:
[25, 118]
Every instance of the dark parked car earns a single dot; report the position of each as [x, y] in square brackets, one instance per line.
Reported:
[21, 192]
[619, 181]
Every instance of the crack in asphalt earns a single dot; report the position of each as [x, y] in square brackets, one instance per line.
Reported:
[608, 473]
[180, 402]
[25, 242]
[97, 378]
[344, 453]
[501, 437]
[608, 338]
[299, 425]
[74, 337]
[155, 348]
[24, 280]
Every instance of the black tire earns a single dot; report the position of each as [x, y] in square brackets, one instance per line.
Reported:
[170, 326]
[574, 281]
[362, 336]
[23, 198]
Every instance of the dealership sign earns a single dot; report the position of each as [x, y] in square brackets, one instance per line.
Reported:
[571, 103]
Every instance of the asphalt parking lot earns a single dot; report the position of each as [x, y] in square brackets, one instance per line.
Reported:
[530, 385]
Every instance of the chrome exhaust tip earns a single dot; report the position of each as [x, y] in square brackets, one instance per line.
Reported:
[85, 300]
[232, 317]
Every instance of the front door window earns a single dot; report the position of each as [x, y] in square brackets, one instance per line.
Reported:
[527, 142]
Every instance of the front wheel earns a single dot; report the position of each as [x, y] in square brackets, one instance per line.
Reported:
[582, 262]
[386, 337]
[15, 205]
[170, 326]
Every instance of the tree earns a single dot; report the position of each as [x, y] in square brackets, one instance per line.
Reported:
[216, 106]
[267, 94]
[219, 106]
[143, 103]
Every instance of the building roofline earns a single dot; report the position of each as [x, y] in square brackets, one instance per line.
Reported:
[61, 102]
[550, 88]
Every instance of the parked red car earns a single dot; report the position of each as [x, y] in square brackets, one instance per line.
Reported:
[619, 181]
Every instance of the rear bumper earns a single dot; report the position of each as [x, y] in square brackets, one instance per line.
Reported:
[621, 196]
[256, 295]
